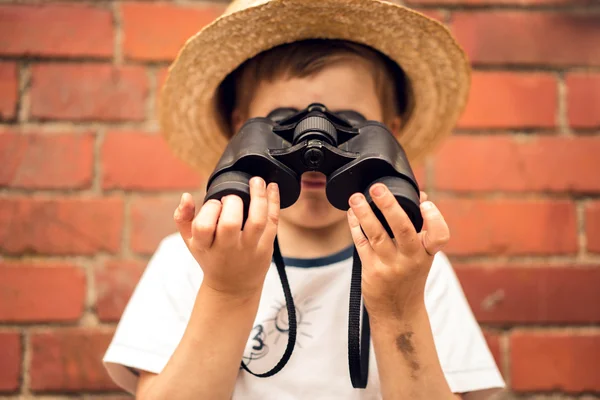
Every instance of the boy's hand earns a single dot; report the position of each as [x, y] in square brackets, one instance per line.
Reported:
[394, 270]
[234, 262]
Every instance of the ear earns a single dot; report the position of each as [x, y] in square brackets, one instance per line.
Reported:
[237, 120]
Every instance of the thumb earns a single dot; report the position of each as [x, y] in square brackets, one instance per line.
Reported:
[436, 233]
[184, 215]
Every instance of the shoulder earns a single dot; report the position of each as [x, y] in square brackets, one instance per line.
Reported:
[172, 263]
[441, 270]
[173, 245]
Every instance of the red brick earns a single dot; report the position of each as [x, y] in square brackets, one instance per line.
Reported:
[69, 360]
[566, 362]
[10, 362]
[513, 227]
[9, 89]
[41, 293]
[115, 282]
[532, 294]
[56, 31]
[161, 78]
[592, 226]
[508, 99]
[88, 92]
[46, 160]
[514, 164]
[151, 221]
[529, 37]
[157, 31]
[60, 226]
[584, 100]
[140, 161]
[493, 342]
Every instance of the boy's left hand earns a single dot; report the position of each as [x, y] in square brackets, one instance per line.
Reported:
[394, 270]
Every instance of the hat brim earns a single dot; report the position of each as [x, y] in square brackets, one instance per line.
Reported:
[436, 67]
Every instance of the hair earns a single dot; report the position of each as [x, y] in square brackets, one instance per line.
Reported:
[307, 57]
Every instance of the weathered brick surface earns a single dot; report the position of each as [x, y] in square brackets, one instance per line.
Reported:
[56, 30]
[88, 92]
[69, 360]
[10, 362]
[489, 227]
[46, 161]
[140, 161]
[486, 163]
[555, 361]
[533, 294]
[8, 90]
[60, 226]
[41, 292]
[519, 37]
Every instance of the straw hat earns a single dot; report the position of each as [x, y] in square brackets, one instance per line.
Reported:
[436, 67]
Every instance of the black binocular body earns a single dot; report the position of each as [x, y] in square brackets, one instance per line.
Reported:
[352, 152]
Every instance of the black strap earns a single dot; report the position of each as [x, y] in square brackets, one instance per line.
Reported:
[291, 309]
[358, 354]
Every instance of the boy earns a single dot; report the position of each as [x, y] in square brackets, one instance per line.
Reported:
[210, 297]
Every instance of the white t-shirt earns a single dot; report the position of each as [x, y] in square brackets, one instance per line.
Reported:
[156, 316]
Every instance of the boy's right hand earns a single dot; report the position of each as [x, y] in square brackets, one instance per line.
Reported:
[234, 262]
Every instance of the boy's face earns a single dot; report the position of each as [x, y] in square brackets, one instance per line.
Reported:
[346, 85]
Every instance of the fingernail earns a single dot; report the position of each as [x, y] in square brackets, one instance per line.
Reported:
[427, 205]
[181, 200]
[378, 190]
[258, 183]
[356, 199]
[351, 213]
[274, 187]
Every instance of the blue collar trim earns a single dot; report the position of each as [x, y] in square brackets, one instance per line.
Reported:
[320, 261]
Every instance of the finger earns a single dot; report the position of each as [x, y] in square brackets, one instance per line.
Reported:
[363, 247]
[423, 197]
[379, 239]
[204, 225]
[184, 215]
[229, 226]
[257, 214]
[273, 209]
[402, 228]
[437, 233]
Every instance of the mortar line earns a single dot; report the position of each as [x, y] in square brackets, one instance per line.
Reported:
[24, 98]
[118, 34]
[562, 119]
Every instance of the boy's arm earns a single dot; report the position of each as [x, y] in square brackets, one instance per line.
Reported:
[206, 363]
[394, 275]
[407, 360]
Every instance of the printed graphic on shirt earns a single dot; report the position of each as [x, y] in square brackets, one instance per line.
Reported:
[273, 332]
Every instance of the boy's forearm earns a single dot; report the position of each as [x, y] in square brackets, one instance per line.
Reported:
[407, 360]
[206, 363]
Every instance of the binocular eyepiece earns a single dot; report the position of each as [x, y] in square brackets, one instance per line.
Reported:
[352, 152]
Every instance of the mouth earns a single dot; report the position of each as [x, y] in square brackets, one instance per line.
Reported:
[313, 183]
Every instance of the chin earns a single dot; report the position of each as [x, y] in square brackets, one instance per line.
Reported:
[313, 210]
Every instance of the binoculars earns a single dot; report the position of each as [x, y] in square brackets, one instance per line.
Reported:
[352, 152]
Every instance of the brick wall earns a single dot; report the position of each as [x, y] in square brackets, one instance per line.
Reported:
[87, 186]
